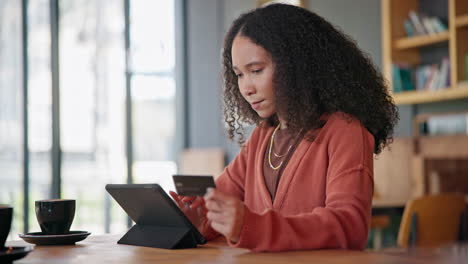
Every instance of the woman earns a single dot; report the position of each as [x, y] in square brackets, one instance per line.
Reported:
[304, 179]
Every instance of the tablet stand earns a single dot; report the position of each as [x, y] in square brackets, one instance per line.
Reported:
[159, 237]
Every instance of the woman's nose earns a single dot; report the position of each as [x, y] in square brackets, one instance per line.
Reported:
[248, 89]
[250, 92]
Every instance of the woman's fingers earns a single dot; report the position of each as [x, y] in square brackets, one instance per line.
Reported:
[184, 206]
[216, 217]
[215, 195]
[188, 199]
[174, 195]
[221, 228]
[177, 199]
[214, 206]
[191, 201]
[185, 199]
[198, 202]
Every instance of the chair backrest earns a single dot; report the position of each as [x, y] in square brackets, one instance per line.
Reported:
[434, 219]
[202, 161]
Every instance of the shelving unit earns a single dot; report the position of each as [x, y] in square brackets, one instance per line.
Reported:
[420, 41]
[462, 21]
[398, 48]
[422, 164]
[417, 97]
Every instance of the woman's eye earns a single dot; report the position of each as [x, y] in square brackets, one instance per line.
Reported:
[239, 75]
[257, 71]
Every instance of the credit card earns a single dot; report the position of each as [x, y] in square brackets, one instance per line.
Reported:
[193, 185]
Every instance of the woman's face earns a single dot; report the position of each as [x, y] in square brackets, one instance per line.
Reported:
[254, 69]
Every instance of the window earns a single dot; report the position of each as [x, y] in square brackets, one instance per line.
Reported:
[39, 105]
[153, 88]
[11, 187]
[92, 100]
[92, 109]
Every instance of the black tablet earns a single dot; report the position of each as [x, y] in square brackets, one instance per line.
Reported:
[149, 205]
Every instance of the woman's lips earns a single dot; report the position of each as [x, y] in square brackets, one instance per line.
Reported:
[256, 105]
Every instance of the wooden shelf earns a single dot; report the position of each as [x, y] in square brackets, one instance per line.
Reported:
[420, 41]
[462, 21]
[418, 97]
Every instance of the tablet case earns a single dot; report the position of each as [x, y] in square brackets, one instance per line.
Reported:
[159, 222]
[159, 237]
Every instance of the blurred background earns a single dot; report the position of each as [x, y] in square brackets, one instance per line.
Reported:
[128, 91]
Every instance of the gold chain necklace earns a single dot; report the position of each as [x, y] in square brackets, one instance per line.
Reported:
[272, 140]
[280, 156]
[289, 148]
[271, 148]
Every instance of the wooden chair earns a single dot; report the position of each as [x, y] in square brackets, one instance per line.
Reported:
[432, 221]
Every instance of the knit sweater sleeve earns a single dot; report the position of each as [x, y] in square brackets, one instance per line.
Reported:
[342, 222]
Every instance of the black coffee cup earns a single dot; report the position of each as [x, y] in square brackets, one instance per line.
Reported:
[6, 214]
[55, 216]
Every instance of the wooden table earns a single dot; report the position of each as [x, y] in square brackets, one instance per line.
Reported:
[104, 249]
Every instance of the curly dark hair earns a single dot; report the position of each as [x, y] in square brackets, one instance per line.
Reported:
[318, 70]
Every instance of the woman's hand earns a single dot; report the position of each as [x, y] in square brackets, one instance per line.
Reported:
[193, 207]
[226, 213]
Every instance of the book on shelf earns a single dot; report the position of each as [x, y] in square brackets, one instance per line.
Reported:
[418, 24]
[409, 28]
[454, 124]
[421, 78]
[402, 78]
[466, 67]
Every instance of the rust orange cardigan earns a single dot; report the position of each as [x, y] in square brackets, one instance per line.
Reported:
[324, 196]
